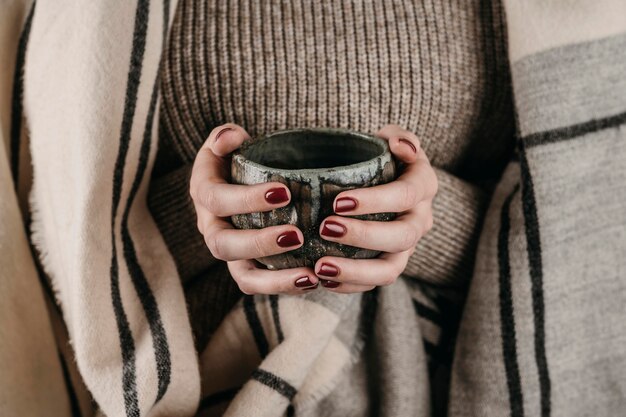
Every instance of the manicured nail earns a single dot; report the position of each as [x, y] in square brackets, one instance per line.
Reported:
[276, 195]
[408, 142]
[288, 239]
[333, 229]
[221, 132]
[304, 282]
[328, 270]
[344, 204]
[329, 284]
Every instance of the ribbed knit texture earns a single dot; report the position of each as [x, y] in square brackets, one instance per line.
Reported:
[177, 218]
[436, 68]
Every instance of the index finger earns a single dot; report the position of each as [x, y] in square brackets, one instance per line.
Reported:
[417, 183]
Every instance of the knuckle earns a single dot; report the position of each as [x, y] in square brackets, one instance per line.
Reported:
[362, 233]
[213, 242]
[410, 195]
[389, 279]
[248, 200]
[202, 226]
[193, 193]
[429, 224]
[429, 179]
[246, 288]
[259, 245]
[410, 238]
[244, 282]
[210, 200]
[434, 183]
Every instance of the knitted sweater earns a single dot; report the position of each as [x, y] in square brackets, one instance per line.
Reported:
[436, 68]
[542, 329]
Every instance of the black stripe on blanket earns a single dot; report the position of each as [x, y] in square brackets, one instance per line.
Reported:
[535, 265]
[437, 353]
[218, 398]
[249, 308]
[427, 313]
[148, 301]
[507, 317]
[574, 131]
[274, 382]
[74, 407]
[129, 377]
[276, 317]
[16, 101]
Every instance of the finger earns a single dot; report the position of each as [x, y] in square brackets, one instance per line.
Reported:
[383, 270]
[228, 244]
[226, 138]
[416, 184]
[254, 280]
[209, 166]
[224, 200]
[342, 288]
[403, 144]
[394, 236]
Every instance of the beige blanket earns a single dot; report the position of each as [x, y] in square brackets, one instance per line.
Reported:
[542, 331]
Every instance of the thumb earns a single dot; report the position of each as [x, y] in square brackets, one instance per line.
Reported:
[226, 138]
[403, 144]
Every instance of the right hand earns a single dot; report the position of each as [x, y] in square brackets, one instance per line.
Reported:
[215, 201]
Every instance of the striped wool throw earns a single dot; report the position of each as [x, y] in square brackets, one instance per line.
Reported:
[541, 332]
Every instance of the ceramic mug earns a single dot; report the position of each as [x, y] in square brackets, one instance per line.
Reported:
[316, 165]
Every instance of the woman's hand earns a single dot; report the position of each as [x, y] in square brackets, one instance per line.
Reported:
[215, 201]
[410, 196]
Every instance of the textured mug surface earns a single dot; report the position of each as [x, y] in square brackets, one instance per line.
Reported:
[316, 165]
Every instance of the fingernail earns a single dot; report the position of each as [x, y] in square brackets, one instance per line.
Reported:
[288, 239]
[221, 132]
[408, 142]
[328, 270]
[333, 229]
[276, 195]
[344, 204]
[304, 282]
[329, 284]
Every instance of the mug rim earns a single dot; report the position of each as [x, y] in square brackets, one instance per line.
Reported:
[381, 143]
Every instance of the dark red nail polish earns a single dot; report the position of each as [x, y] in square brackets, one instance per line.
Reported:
[288, 239]
[330, 284]
[328, 270]
[304, 282]
[344, 204]
[333, 229]
[276, 195]
[408, 142]
[221, 132]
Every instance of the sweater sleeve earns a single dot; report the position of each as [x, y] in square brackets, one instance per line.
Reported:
[444, 256]
[172, 208]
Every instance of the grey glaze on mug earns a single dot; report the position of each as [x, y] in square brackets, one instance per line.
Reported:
[316, 165]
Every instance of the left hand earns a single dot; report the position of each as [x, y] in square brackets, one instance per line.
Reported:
[410, 195]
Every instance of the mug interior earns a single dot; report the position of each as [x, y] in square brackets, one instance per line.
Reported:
[310, 149]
